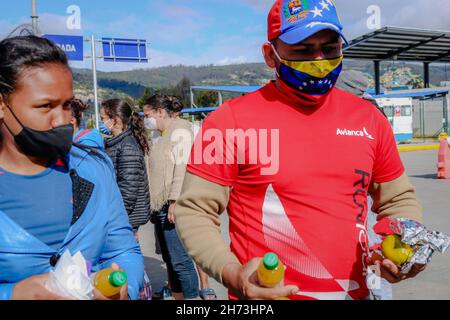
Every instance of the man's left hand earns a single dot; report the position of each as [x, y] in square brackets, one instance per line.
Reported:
[391, 272]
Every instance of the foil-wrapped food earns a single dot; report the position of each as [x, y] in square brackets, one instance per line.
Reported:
[423, 242]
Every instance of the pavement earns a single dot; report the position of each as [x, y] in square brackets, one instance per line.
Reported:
[434, 195]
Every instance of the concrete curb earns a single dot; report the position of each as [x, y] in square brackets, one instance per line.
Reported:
[418, 148]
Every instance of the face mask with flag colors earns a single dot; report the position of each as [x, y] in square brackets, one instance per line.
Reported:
[312, 77]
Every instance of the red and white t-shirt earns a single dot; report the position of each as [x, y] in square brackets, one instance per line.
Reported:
[303, 193]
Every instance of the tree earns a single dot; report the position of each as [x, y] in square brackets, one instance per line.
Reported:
[206, 99]
[148, 92]
[130, 101]
[416, 83]
[183, 90]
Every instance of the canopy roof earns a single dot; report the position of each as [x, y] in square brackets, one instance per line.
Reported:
[401, 44]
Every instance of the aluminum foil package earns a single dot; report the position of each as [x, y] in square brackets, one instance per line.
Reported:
[424, 242]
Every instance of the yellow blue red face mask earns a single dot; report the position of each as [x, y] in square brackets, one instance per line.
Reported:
[312, 77]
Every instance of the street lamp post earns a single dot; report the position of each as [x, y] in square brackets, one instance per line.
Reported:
[34, 17]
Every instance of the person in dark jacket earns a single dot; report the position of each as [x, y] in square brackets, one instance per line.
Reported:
[127, 148]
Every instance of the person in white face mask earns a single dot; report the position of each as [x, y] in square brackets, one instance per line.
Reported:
[157, 129]
[150, 124]
[166, 174]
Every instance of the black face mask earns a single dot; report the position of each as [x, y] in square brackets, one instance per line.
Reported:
[51, 144]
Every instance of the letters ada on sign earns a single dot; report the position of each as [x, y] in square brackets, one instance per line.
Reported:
[71, 45]
[124, 50]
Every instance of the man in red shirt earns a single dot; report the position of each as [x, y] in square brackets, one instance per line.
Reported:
[293, 164]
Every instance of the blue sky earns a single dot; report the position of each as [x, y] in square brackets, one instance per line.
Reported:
[196, 32]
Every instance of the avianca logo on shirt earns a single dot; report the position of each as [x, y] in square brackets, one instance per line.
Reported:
[354, 133]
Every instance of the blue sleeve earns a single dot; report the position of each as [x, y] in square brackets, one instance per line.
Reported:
[93, 139]
[6, 291]
[97, 138]
[92, 143]
[121, 246]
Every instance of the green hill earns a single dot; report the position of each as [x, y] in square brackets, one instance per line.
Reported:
[133, 83]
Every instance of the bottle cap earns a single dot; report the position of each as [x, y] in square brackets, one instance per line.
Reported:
[118, 278]
[271, 261]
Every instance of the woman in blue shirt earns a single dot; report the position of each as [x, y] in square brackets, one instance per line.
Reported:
[53, 196]
[83, 136]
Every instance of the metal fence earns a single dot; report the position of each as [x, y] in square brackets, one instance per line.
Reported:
[429, 118]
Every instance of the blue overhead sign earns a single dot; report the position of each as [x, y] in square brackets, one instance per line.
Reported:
[72, 45]
[124, 50]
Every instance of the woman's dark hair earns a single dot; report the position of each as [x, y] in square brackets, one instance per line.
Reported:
[171, 104]
[120, 108]
[78, 107]
[19, 53]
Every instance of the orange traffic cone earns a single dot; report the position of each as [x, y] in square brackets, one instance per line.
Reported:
[444, 160]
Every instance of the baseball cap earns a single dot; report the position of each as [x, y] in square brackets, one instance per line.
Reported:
[293, 21]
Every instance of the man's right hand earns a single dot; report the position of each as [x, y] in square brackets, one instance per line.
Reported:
[33, 288]
[243, 281]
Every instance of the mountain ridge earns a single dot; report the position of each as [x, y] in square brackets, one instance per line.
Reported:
[133, 83]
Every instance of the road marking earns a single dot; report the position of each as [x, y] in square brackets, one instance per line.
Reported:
[417, 148]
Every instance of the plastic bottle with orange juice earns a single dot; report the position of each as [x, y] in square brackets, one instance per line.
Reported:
[271, 272]
[109, 282]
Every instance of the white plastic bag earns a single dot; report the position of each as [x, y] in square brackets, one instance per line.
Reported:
[70, 278]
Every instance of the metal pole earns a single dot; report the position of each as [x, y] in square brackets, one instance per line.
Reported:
[34, 17]
[446, 129]
[94, 78]
[422, 104]
[392, 112]
[377, 77]
[426, 74]
[192, 98]
[220, 98]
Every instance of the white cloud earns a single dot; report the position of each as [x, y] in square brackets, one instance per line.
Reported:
[5, 28]
[220, 53]
[228, 60]
[181, 24]
[55, 24]
[229, 50]
[162, 30]
[260, 5]
[423, 14]
[163, 58]
[47, 23]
